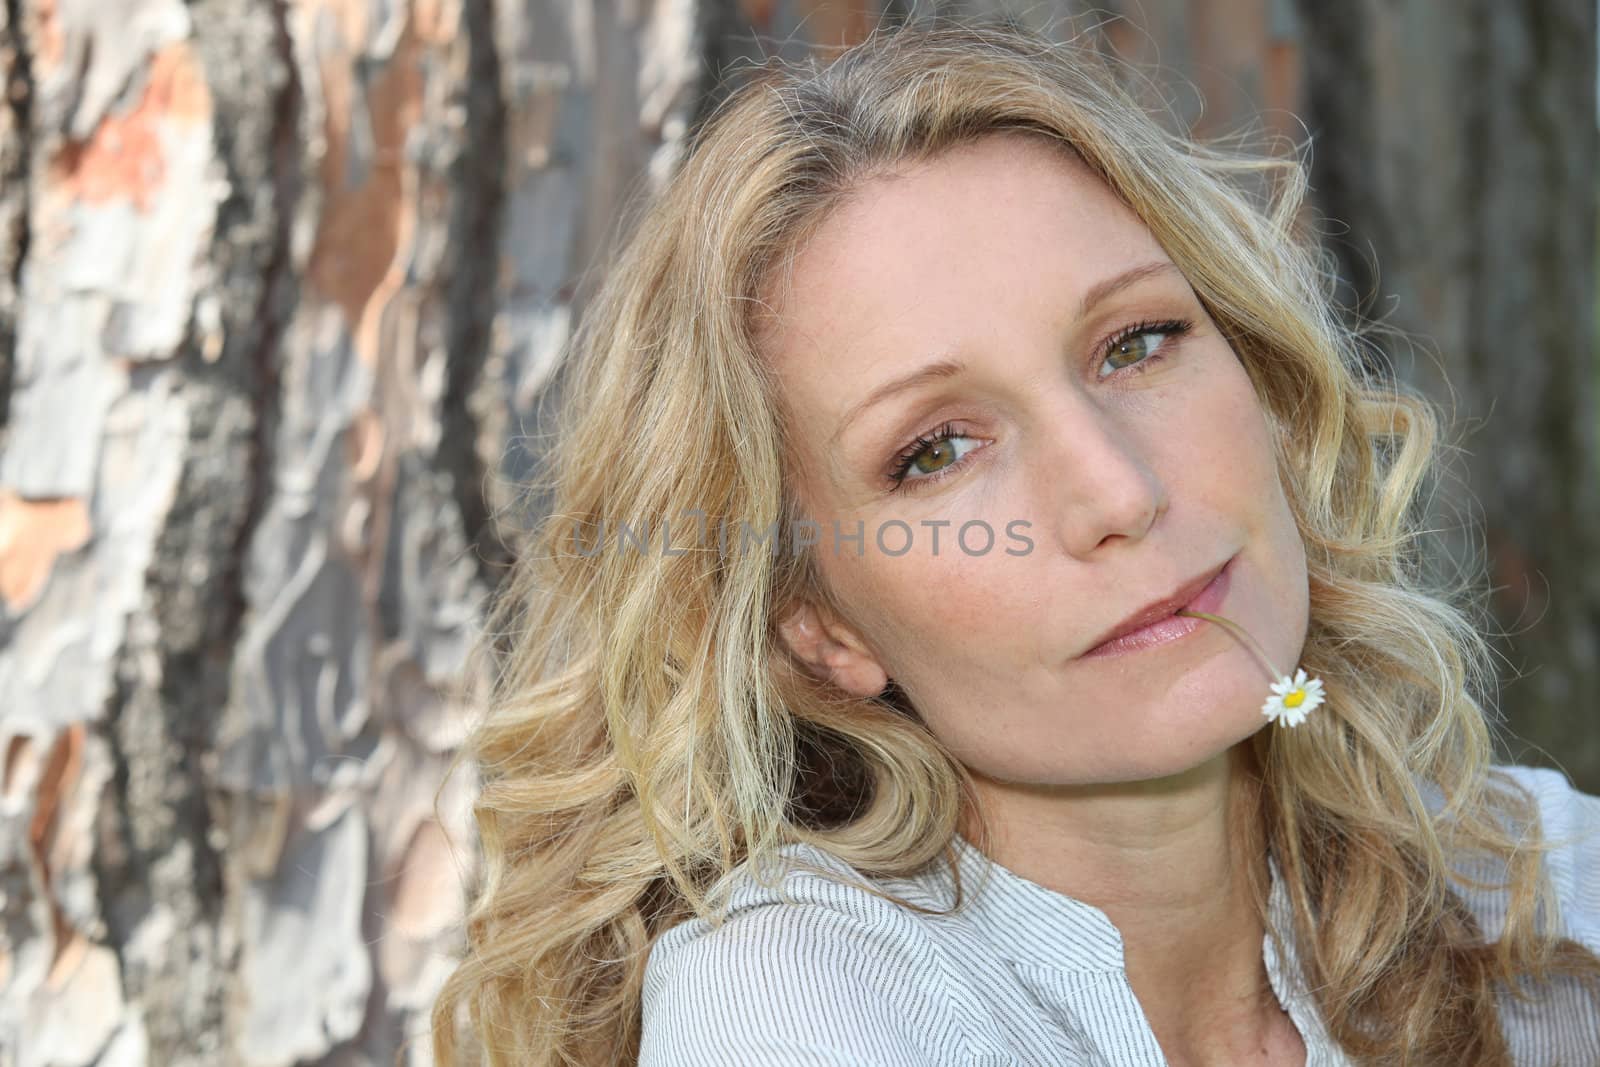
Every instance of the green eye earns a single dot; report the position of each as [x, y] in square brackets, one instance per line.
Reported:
[1142, 344]
[931, 456]
[936, 457]
[1135, 348]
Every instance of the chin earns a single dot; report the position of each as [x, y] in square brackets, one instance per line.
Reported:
[1174, 738]
[1177, 750]
[1134, 762]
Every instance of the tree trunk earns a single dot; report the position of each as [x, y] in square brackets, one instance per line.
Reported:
[1459, 145]
[291, 281]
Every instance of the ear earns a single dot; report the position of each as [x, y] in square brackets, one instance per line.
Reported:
[831, 650]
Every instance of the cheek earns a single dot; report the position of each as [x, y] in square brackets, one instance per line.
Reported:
[1281, 554]
[1232, 444]
[954, 617]
[1255, 449]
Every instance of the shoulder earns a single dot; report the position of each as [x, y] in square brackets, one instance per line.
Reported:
[1563, 1025]
[1569, 820]
[816, 969]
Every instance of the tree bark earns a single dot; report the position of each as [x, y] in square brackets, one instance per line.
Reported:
[283, 286]
[1459, 147]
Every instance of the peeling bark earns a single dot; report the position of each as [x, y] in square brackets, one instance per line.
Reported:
[288, 281]
[16, 125]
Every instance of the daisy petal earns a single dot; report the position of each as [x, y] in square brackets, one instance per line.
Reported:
[1278, 707]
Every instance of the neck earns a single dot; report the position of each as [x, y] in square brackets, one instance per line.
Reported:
[1173, 863]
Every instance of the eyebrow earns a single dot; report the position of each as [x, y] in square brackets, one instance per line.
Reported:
[949, 368]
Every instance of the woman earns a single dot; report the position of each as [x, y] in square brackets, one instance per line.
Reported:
[934, 376]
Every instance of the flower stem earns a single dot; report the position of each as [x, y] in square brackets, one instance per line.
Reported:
[1239, 632]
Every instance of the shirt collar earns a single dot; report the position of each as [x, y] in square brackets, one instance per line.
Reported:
[1032, 923]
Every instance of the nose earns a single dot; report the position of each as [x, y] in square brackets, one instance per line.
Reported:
[1101, 487]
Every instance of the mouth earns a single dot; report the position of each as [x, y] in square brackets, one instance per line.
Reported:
[1158, 624]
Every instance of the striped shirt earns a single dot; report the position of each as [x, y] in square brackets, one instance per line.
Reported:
[1019, 975]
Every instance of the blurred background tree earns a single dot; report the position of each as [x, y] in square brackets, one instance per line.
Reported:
[283, 287]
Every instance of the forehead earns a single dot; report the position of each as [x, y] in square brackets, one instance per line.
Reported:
[938, 252]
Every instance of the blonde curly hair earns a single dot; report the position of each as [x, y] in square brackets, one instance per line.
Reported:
[646, 733]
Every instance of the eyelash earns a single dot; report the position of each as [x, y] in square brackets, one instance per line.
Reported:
[1171, 328]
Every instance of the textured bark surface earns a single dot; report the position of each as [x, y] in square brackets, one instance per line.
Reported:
[1459, 146]
[282, 286]
[283, 290]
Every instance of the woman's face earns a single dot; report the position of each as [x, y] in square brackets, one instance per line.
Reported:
[1111, 474]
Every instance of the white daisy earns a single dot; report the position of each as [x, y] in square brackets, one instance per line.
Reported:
[1292, 699]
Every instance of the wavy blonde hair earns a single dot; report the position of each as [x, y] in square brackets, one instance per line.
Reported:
[646, 732]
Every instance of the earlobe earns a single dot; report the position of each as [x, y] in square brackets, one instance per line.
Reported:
[829, 653]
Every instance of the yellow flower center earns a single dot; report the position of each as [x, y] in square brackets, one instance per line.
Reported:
[1294, 699]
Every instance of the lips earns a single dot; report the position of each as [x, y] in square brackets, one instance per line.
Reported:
[1161, 609]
